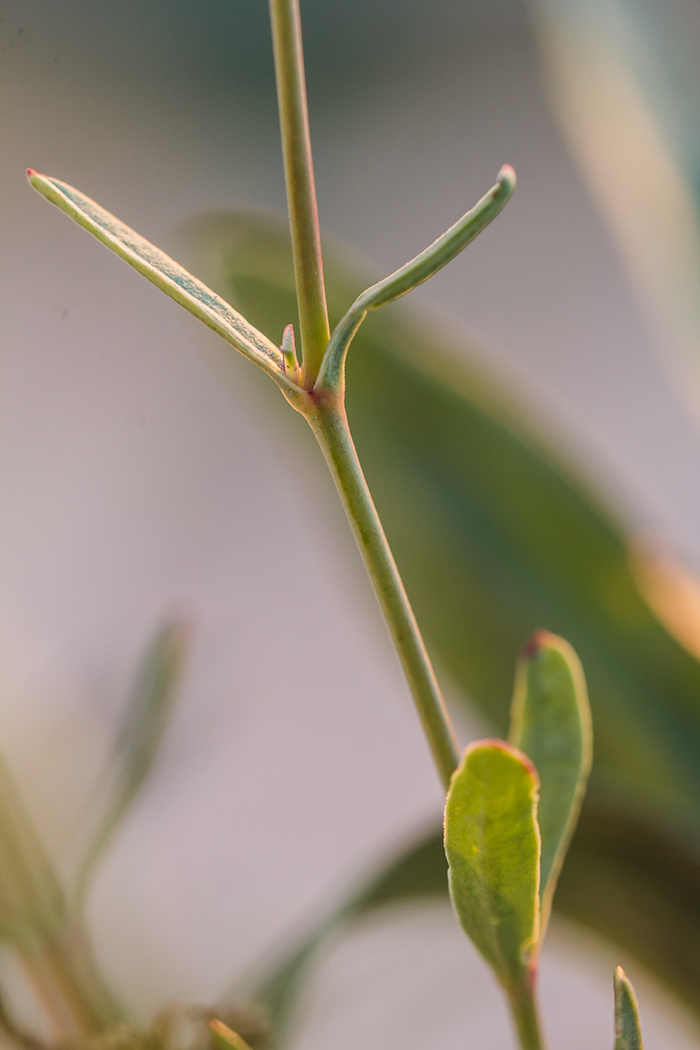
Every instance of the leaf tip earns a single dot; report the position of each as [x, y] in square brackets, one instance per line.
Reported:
[510, 749]
[225, 1038]
[537, 641]
[507, 177]
[628, 1033]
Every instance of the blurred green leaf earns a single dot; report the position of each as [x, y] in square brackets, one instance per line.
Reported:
[139, 739]
[418, 873]
[492, 844]
[32, 902]
[551, 723]
[624, 80]
[496, 538]
[223, 1038]
[36, 923]
[628, 1034]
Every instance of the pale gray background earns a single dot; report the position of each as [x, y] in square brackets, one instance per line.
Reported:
[144, 473]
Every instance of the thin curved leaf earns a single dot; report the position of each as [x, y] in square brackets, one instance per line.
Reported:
[164, 272]
[492, 843]
[138, 742]
[415, 272]
[551, 723]
[628, 1034]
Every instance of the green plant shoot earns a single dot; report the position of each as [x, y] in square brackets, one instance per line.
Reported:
[507, 826]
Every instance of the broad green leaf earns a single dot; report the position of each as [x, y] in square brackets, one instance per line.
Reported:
[164, 272]
[551, 723]
[628, 1034]
[492, 843]
[415, 272]
[138, 742]
[494, 537]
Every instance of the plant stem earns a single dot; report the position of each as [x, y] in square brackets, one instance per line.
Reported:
[301, 189]
[329, 423]
[523, 1005]
[324, 410]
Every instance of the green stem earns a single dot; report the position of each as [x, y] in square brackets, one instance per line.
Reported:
[523, 1005]
[323, 408]
[301, 189]
[329, 423]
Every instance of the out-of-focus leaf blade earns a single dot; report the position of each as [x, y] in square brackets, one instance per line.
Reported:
[625, 84]
[633, 886]
[224, 1038]
[495, 537]
[32, 902]
[138, 742]
[162, 271]
[418, 873]
[551, 723]
[628, 1034]
[492, 843]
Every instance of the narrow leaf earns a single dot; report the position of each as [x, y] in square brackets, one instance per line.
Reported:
[628, 1034]
[551, 723]
[415, 272]
[164, 272]
[139, 740]
[493, 850]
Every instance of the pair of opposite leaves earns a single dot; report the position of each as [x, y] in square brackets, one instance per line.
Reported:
[512, 807]
[510, 813]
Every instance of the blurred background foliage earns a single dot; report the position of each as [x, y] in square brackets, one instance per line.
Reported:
[162, 111]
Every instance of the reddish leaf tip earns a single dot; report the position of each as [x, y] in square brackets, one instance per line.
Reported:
[536, 642]
[30, 172]
[510, 749]
[507, 174]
